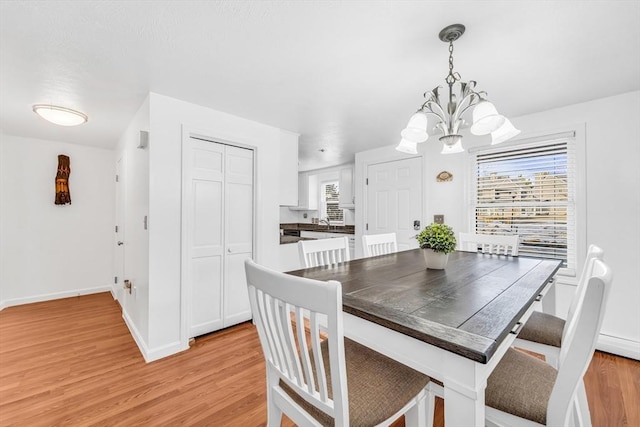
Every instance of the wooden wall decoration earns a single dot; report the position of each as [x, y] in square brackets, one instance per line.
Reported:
[63, 196]
[444, 176]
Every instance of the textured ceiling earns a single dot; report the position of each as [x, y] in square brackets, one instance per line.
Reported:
[345, 75]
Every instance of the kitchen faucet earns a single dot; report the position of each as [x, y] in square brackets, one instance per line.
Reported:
[325, 221]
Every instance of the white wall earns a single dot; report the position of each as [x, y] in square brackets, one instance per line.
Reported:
[50, 251]
[288, 216]
[168, 118]
[613, 203]
[612, 135]
[134, 184]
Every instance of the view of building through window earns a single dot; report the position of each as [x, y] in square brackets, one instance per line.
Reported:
[526, 191]
[330, 200]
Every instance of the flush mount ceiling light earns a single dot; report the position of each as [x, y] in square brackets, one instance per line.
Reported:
[486, 119]
[60, 115]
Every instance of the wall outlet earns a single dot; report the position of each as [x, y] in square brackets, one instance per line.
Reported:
[304, 215]
[438, 219]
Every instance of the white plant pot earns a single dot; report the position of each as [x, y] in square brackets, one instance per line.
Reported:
[435, 260]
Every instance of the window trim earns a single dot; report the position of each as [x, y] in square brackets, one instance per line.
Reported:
[575, 132]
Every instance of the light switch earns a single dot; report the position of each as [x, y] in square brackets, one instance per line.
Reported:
[438, 219]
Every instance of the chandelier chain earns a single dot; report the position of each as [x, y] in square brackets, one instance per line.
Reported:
[451, 77]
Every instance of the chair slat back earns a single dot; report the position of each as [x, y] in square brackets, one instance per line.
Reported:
[577, 350]
[594, 252]
[489, 243]
[314, 253]
[379, 244]
[280, 303]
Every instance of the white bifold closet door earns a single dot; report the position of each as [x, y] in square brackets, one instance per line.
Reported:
[219, 233]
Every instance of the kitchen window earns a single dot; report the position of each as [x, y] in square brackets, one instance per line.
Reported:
[330, 195]
[529, 190]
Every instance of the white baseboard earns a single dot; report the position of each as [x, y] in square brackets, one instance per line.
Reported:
[164, 351]
[53, 296]
[619, 346]
[153, 354]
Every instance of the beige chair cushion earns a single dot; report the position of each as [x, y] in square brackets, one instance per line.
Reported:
[543, 328]
[521, 385]
[378, 386]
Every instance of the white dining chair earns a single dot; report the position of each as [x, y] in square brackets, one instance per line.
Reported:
[489, 243]
[314, 253]
[332, 381]
[525, 391]
[543, 333]
[379, 244]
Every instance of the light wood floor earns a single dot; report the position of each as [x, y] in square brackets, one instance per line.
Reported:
[73, 362]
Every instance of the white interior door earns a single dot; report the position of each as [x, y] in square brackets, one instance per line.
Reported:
[238, 204]
[119, 232]
[394, 200]
[203, 171]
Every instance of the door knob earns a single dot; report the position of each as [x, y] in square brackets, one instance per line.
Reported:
[229, 250]
[120, 243]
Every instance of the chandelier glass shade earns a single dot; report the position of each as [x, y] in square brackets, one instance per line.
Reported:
[407, 147]
[506, 131]
[449, 109]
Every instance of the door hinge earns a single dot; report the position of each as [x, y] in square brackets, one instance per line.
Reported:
[117, 178]
[115, 279]
[367, 227]
[116, 228]
[366, 181]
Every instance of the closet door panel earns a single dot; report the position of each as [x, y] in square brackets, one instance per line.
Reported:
[204, 175]
[239, 232]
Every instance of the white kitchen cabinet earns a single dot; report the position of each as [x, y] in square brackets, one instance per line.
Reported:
[314, 234]
[307, 193]
[288, 169]
[347, 194]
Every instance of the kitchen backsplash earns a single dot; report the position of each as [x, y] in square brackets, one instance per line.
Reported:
[349, 229]
[289, 216]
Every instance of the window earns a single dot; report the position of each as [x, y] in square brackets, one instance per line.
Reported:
[529, 190]
[330, 195]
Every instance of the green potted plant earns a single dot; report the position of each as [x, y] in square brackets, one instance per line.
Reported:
[438, 241]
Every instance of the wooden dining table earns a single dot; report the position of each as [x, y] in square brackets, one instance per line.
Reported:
[453, 325]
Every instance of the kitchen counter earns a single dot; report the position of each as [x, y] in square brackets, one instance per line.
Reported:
[293, 239]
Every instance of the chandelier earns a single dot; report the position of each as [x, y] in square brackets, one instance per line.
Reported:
[450, 121]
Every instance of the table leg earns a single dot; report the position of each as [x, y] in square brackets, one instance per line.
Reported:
[549, 300]
[463, 393]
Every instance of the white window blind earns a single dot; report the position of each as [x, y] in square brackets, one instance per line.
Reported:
[529, 190]
[330, 201]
